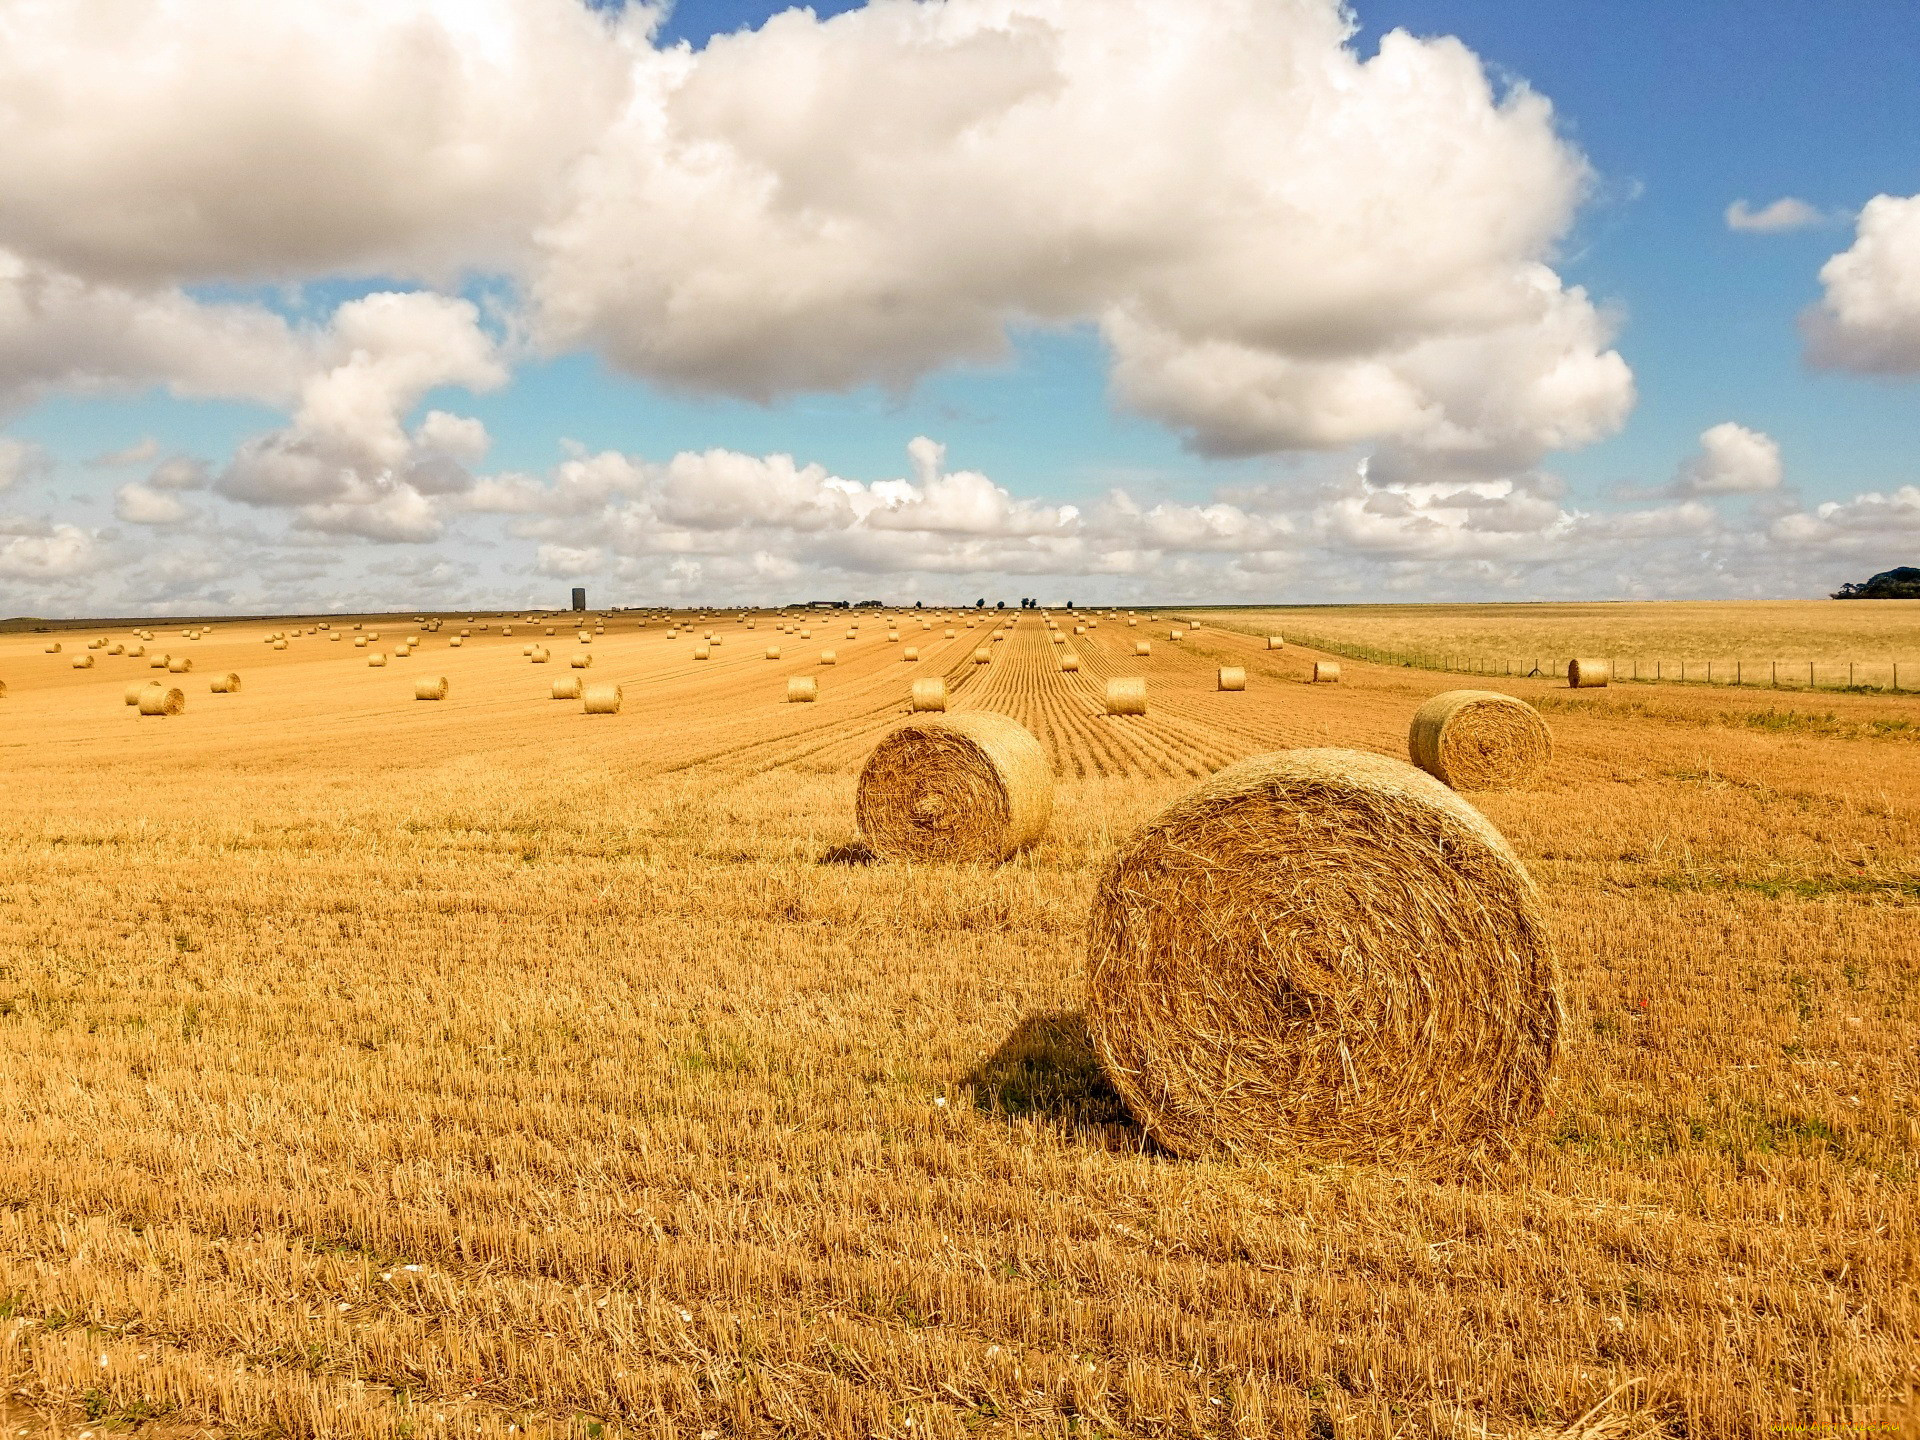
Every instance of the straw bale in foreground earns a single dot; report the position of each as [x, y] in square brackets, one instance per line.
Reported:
[180, 664]
[430, 687]
[911, 652]
[1480, 740]
[1274, 642]
[1588, 674]
[582, 661]
[1070, 662]
[982, 655]
[1326, 672]
[930, 694]
[1323, 953]
[602, 699]
[1232, 677]
[567, 687]
[802, 689]
[1127, 695]
[973, 786]
[83, 661]
[1143, 647]
[227, 684]
[376, 660]
[158, 699]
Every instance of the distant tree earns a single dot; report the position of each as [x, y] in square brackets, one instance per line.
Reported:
[1900, 583]
[979, 604]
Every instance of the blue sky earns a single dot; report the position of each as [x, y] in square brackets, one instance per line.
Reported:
[1677, 110]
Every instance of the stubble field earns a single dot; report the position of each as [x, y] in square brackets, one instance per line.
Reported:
[482, 1067]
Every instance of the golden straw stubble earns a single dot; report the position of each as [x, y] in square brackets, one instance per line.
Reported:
[1480, 740]
[973, 786]
[1324, 953]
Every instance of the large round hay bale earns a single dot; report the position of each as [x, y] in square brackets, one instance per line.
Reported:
[948, 632]
[1127, 695]
[929, 695]
[359, 642]
[827, 657]
[1588, 674]
[1070, 662]
[773, 652]
[910, 653]
[582, 662]
[540, 655]
[53, 647]
[83, 661]
[158, 699]
[567, 687]
[1232, 677]
[802, 690]
[602, 699]
[973, 786]
[227, 684]
[159, 662]
[700, 652]
[1326, 953]
[180, 664]
[430, 687]
[1480, 740]
[1326, 672]
[376, 660]
[1143, 647]
[982, 655]
[455, 643]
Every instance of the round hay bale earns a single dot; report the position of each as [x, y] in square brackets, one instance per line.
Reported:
[1143, 647]
[1057, 638]
[892, 635]
[1127, 695]
[53, 647]
[376, 660]
[136, 652]
[948, 633]
[973, 786]
[700, 652]
[335, 636]
[133, 690]
[773, 652]
[929, 695]
[430, 687]
[157, 699]
[83, 661]
[540, 655]
[1326, 672]
[1588, 674]
[567, 687]
[1070, 662]
[581, 662]
[227, 684]
[1232, 677]
[982, 655]
[159, 662]
[1326, 953]
[1132, 621]
[1175, 634]
[602, 699]
[1274, 642]
[359, 642]
[1480, 740]
[179, 665]
[827, 657]
[806, 634]
[526, 649]
[455, 643]
[802, 690]
[910, 653]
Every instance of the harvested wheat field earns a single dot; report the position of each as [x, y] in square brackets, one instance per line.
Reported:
[491, 1068]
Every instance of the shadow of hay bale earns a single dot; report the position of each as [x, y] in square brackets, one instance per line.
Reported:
[854, 852]
[1046, 1070]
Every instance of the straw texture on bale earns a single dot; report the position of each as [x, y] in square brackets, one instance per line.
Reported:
[430, 687]
[158, 662]
[540, 655]
[947, 632]
[700, 652]
[1069, 662]
[567, 687]
[133, 690]
[1143, 647]
[827, 657]
[180, 664]
[227, 684]
[359, 642]
[972, 786]
[1232, 677]
[773, 652]
[1588, 674]
[802, 689]
[1127, 695]
[158, 699]
[83, 662]
[930, 694]
[1274, 642]
[53, 647]
[1323, 953]
[455, 643]
[1325, 672]
[912, 652]
[1480, 740]
[582, 662]
[982, 655]
[602, 699]
[376, 660]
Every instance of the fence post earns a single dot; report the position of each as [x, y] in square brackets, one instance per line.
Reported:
[1739, 673]
[1775, 681]
[1810, 684]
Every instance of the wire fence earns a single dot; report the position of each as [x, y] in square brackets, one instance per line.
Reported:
[1885, 677]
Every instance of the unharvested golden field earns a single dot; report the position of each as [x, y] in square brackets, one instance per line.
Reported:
[483, 1067]
[1870, 634]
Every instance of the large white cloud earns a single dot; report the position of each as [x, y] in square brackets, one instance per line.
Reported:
[1731, 460]
[1286, 245]
[1869, 317]
[51, 552]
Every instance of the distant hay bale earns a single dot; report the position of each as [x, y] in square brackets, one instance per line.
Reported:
[802, 690]
[1480, 740]
[1588, 674]
[133, 690]
[1274, 642]
[773, 652]
[116, 648]
[1232, 677]
[1127, 695]
[581, 662]
[526, 649]
[567, 687]
[455, 643]
[1408, 1011]
[359, 642]
[1079, 629]
[540, 655]
[601, 699]
[161, 700]
[929, 694]
[180, 664]
[135, 652]
[227, 684]
[911, 652]
[53, 647]
[892, 635]
[949, 632]
[1132, 621]
[1175, 634]
[853, 635]
[335, 636]
[1057, 638]
[827, 657]
[1326, 672]
[1070, 662]
[550, 629]
[1143, 647]
[806, 634]
[973, 786]
[982, 655]
[700, 652]
[83, 661]
[159, 662]
[430, 687]
[375, 660]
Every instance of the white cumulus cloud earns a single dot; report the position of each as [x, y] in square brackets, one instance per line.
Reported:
[1868, 319]
[1786, 213]
[1731, 460]
[21, 460]
[143, 505]
[62, 552]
